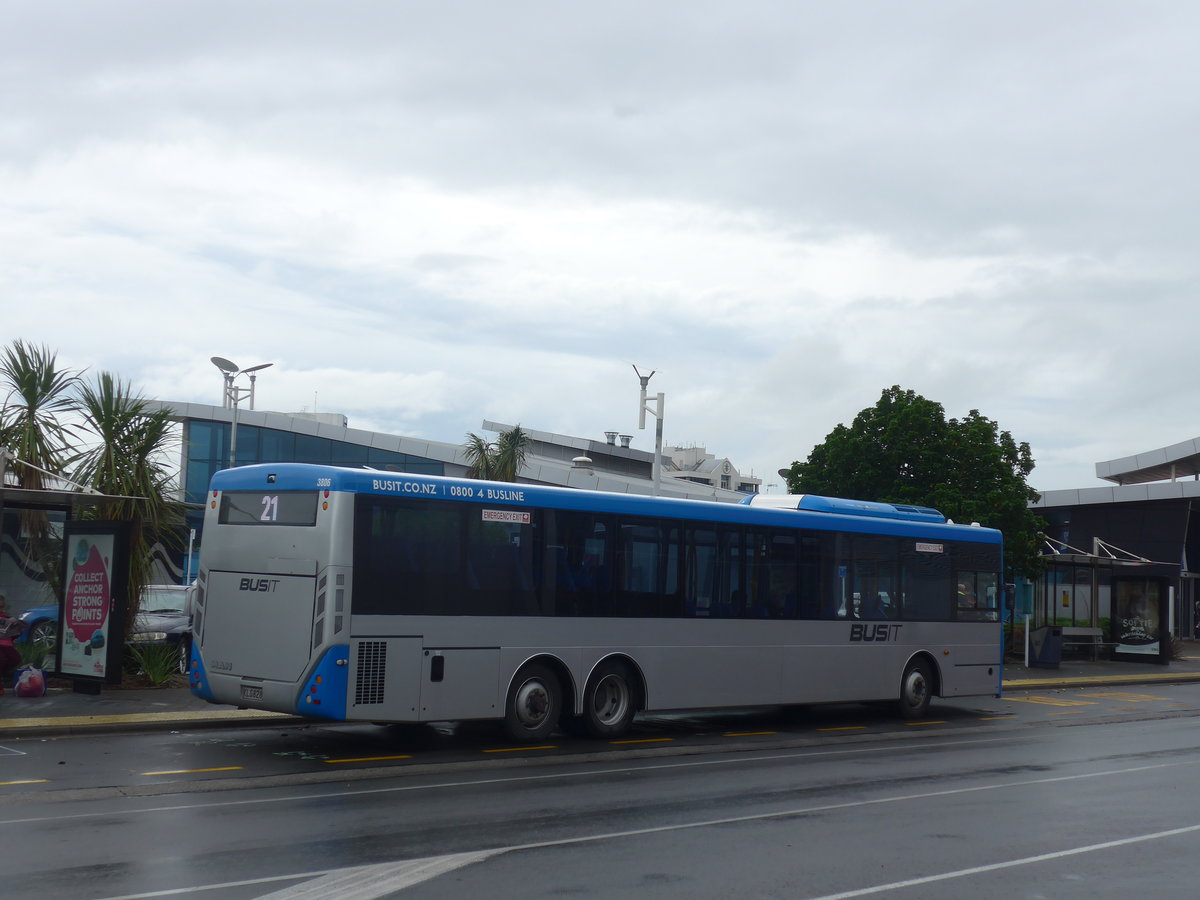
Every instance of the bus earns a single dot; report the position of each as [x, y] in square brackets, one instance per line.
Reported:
[365, 595]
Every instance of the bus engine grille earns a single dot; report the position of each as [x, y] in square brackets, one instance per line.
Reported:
[372, 667]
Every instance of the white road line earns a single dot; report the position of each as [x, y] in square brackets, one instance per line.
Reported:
[369, 882]
[1009, 864]
[760, 817]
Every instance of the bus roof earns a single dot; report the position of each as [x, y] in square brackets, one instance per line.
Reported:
[785, 511]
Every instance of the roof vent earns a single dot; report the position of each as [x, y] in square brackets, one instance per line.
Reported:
[612, 438]
[625, 439]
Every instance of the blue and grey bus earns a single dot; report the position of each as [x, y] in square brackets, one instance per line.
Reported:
[363, 595]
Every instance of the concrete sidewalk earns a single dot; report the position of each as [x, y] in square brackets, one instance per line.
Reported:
[63, 711]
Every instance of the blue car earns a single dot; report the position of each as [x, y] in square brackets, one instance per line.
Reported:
[41, 624]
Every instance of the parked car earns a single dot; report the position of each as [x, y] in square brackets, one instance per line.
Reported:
[165, 618]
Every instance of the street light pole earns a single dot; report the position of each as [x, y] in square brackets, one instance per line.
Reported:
[233, 395]
[657, 412]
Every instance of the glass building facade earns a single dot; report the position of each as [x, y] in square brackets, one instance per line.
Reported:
[207, 451]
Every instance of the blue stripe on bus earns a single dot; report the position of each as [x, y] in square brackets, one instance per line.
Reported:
[197, 674]
[323, 695]
[851, 517]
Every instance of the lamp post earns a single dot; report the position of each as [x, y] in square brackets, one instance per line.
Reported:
[657, 412]
[233, 395]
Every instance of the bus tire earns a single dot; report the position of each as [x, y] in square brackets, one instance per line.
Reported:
[609, 702]
[916, 689]
[534, 704]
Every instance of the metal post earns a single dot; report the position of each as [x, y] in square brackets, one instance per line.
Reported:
[657, 412]
[234, 394]
[233, 432]
[187, 571]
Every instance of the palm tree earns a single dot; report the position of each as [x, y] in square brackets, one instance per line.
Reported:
[511, 448]
[39, 392]
[127, 464]
[499, 461]
[480, 456]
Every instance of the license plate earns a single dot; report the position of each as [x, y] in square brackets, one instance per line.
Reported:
[251, 692]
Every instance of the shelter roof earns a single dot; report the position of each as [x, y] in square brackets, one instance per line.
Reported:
[1165, 464]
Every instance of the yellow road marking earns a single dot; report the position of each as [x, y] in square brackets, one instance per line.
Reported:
[1124, 695]
[195, 771]
[931, 722]
[644, 741]
[517, 749]
[1050, 701]
[747, 733]
[25, 781]
[844, 728]
[990, 718]
[1066, 712]
[367, 759]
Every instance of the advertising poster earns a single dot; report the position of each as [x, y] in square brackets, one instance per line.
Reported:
[92, 608]
[1138, 618]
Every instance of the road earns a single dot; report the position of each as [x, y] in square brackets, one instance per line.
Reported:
[1078, 793]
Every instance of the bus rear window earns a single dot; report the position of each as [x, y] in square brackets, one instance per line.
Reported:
[268, 508]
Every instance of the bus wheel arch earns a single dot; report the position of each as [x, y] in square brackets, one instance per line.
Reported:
[919, 684]
[534, 702]
[614, 693]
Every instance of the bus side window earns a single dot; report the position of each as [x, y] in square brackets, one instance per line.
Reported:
[810, 575]
[926, 584]
[701, 571]
[731, 600]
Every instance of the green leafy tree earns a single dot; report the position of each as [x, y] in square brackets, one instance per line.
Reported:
[127, 463]
[904, 450]
[501, 460]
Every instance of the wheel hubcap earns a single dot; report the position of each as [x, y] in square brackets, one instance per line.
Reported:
[916, 689]
[533, 702]
[611, 700]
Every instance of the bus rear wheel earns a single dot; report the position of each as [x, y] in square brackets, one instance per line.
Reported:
[534, 704]
[608, 702]
[916, 689]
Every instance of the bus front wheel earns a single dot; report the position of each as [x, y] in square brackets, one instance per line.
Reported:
[534, 704]
[916, 689]
[608, 703]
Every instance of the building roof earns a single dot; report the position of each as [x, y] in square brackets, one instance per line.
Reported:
[1124, 493]
[1165, 464]
[613, 468]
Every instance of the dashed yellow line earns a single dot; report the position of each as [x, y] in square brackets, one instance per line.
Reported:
[367, 759]
[25, 781]
[518, 749]
[747, 733]
[644, 741]
[991, 718]
[195, 771]
[844, 728]
[931, 722]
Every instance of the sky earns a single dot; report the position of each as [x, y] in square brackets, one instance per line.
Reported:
[426, 215]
